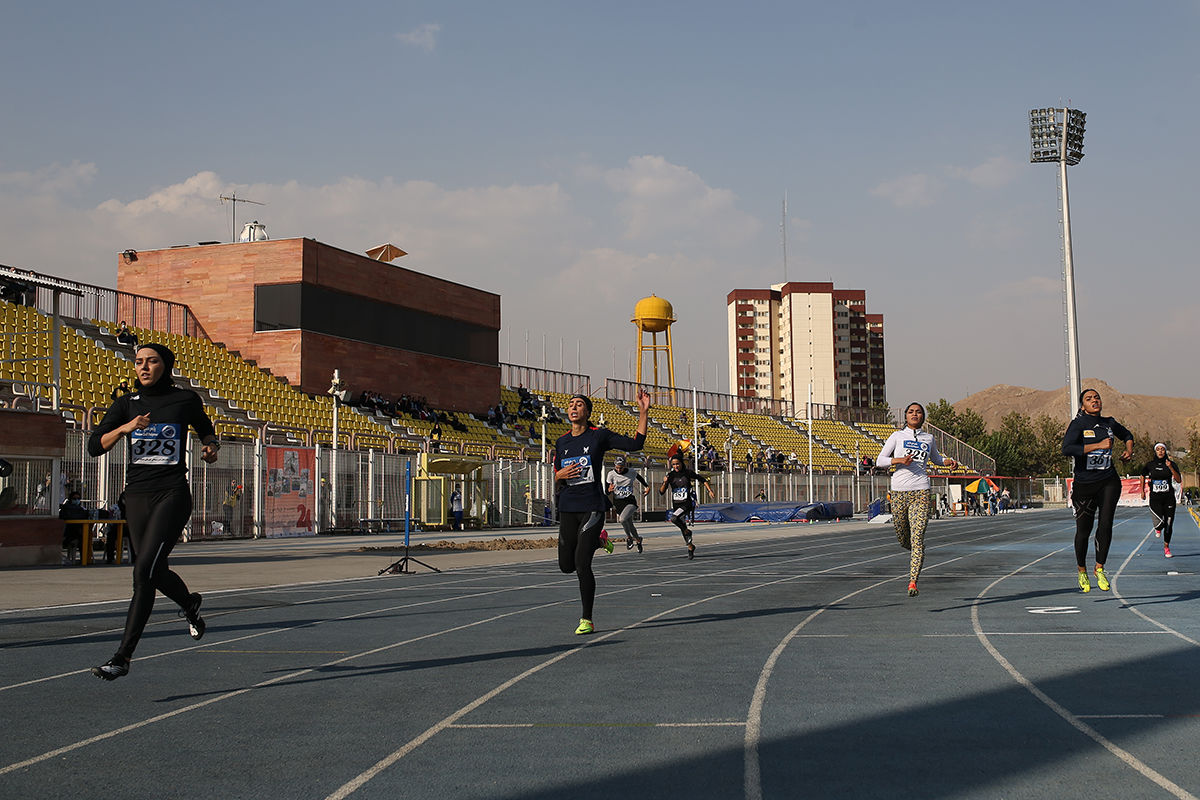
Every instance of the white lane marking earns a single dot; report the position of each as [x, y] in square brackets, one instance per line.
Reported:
[134, 726]
[1053, 609]
[505, 725]
[1132, 607]
[1072, 719]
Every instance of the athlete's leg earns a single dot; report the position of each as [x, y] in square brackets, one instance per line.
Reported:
[568, 534]
[586, 545]
[918, 519]
[900, 503]
[155, 523]
[1110, 493]
[627, 520]
[1168, 521]
[678, 517]
[1084, 502]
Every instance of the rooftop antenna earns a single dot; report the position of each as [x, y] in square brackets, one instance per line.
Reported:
[783, 234]
[233, 199]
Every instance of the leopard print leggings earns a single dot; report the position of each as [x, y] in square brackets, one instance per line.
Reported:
[910, 515]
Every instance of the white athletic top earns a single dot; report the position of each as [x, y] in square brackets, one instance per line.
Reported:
[921, 447]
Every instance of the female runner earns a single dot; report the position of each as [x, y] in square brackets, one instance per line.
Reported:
[1161, 470]
[679, 479]
[909, 450]
[1089, 440]
[155, 418]
[578, 468]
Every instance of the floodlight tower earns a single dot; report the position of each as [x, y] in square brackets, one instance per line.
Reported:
[1056, 134]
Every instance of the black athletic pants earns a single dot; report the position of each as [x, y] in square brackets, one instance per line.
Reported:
[1163, 511]
[1088, 499]
[678, 516]
[155, 522]
[578, 541]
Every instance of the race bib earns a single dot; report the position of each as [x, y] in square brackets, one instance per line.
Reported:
[918, 450]
[621, 492]
[585, 469]
[1160, 486]
[159, 444]
[680, 495]
[1099, 460]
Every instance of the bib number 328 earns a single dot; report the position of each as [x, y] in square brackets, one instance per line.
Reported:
[158, 444]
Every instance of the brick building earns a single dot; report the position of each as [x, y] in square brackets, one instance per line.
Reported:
[301, 309]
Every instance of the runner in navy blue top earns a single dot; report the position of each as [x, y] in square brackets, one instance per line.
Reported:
[158, 503]
[1096, 488]
[578, 470]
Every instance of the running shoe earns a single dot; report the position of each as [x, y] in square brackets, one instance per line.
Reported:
[912, 589]
[639, 544]
[112, 669]
[1167, 551]
[629, 542]
[1157, 533]
[585, 626]
[605, 542]
[691, 551]
[1101, 578]
[195, 622]
[1084, 585]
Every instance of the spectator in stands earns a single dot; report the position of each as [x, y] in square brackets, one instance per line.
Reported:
[72, 508]
[120, 389]
[749, 459]
[126, 336]
[233, 497]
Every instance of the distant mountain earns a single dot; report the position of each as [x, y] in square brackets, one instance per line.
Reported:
[1146, 415]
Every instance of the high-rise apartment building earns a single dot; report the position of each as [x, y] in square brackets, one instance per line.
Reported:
[784, 338]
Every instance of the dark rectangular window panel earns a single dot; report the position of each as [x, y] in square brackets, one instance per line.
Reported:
[320, 310]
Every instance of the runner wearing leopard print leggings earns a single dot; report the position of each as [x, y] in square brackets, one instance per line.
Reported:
[909, 450]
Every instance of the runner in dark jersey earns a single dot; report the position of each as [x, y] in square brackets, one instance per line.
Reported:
[1161, 470]
[620, 486]
[578, 464]
[679, 480]
[158, 502]
[1096, 488]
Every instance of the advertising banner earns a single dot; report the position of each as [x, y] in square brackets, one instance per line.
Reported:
[289, 482]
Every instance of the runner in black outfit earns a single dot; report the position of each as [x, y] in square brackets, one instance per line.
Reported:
[1161, 471]
[157, 499]
[578, 464]
[1089, 440]
[679, 478]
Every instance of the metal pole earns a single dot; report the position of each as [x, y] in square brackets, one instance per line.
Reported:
[333, 463]
[695, 433]
[810, 448]
[1069, 281]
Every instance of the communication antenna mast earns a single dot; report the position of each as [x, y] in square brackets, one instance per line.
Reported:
[783, 234]
[233, 200]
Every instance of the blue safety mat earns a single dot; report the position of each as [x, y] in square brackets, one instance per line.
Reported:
[772, 512]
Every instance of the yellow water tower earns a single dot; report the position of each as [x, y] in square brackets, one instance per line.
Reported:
[654, 315]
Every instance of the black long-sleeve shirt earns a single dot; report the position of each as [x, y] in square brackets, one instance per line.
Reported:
[1087, 429]
[586, 492]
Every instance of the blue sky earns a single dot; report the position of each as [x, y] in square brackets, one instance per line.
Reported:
[576, 157]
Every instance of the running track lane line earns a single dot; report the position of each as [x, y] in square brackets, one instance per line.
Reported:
[1073, 720]
[364, 777]
[752, 769]
[1133, 608]
[300, 673]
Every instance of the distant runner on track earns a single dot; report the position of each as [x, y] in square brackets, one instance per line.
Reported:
[679, 480]
[1161, 470]
[620, 485]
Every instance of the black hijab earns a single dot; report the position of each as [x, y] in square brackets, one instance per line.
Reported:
[168, 358]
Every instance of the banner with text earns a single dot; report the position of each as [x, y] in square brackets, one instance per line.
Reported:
[289, 481]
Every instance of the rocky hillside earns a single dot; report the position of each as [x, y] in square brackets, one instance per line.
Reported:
[1156, 417]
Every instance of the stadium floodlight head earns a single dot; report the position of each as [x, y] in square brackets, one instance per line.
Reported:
[1056, 134]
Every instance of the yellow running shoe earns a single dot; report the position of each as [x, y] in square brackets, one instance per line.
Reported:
[585, 626]
[1101, 578]
[1084, 586]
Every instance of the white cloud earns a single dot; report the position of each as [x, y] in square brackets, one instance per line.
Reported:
[991, 174]
[911, 191]
[423, 37]
[662, 199]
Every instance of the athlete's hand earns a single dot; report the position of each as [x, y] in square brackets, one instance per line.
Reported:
[208, 454]
[906, 460]
[949, 462]
[643, 401]
[568, 472]
[139, 422]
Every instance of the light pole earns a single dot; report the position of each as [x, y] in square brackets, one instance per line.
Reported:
[337, 388]
[1056, 135]
[542, 487]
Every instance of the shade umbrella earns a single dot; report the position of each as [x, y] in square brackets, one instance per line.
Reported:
[981, 485]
